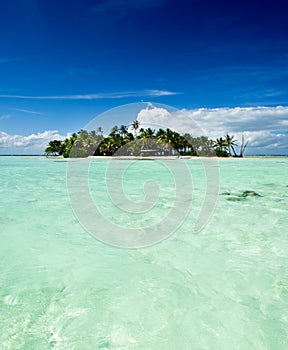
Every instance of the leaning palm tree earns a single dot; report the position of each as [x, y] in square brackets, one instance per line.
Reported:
[54, 148]
[231, 142]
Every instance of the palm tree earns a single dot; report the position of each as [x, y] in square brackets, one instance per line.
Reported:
[179, 142]
[128, 137]
[146, 136]
[123, 130]
[160, 139]
[135, 126]
[188, 144]
[231, 142]
[171, 139]
[108, 145]
[146, 133]
[221, 147]
[114, 130]
[99, 130]
[221, 144]
[54, 148]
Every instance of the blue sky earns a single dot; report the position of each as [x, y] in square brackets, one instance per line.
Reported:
[64, 62]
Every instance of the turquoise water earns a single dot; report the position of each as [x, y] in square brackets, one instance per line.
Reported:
[224, 288]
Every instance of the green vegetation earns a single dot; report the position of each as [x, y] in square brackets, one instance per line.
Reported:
[140, 142]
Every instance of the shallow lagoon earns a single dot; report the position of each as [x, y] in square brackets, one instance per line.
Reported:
[225, 288]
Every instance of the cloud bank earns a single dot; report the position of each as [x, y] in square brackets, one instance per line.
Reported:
[30, 144]
[266, 128]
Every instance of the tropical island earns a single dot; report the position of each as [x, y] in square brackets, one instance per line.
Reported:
[131, 140]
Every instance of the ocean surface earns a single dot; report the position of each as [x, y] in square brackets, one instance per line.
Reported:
[225, 287]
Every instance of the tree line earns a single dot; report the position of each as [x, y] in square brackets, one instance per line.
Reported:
[131, 140]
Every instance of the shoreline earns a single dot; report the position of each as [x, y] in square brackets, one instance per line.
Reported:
[141, 157]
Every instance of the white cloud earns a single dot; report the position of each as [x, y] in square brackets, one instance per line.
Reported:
[112, 95]
[29, 144]
[27, 111]
[266, 128]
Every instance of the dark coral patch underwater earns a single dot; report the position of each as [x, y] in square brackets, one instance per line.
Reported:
[240, 196]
